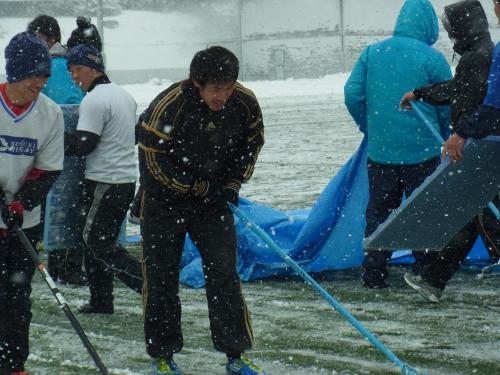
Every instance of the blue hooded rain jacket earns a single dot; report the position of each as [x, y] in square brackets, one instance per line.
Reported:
[386, 71]
[60, 87]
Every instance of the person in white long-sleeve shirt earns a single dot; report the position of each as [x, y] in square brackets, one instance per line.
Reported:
[106, 136]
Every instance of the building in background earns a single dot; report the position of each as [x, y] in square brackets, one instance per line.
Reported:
[274, 39]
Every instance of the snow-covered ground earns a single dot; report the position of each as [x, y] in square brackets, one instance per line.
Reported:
[309, 135]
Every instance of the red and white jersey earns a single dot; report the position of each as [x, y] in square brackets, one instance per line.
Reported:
[31, 139]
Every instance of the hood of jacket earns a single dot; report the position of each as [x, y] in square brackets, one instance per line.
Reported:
[58, 50]
[417, 19]
[467, 26]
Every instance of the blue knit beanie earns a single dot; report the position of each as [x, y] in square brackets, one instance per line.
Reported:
[26, 56]
[84, 54]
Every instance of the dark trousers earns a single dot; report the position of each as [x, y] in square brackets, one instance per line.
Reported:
[387, 184]
[135, 208]
[65, 264]
[16, 273]
[106, 206]
[212, 230]
[448, 261]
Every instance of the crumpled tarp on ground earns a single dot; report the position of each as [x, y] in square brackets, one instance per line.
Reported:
[326, 237]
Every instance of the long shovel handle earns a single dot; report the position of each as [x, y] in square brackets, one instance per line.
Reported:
[404, 367]
[60, 300]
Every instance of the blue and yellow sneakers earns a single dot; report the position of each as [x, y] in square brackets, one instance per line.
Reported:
[243, 366]
[163, 366]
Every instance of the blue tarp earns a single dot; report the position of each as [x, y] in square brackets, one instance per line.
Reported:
[326, 237]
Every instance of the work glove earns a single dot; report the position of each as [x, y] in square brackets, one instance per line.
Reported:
[206, 189]
[231, 195]
[12, 214]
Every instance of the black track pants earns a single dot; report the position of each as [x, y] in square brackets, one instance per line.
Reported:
[387, 183]
[16, 273]
[212, 230]
[448, 261]
[106, 206]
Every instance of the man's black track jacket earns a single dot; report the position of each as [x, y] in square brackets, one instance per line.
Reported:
[181, 140]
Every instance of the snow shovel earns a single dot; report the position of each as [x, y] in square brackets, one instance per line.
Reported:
[438, 136]
[404, 367]
[60, 299]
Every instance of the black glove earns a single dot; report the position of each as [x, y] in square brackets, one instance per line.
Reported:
[206, 189]
[12, 214]
[231, 195]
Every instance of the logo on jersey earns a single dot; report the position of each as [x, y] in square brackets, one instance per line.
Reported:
[211, 126]
[18, 145]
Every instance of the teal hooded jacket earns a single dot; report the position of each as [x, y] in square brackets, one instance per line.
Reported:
[387, 70]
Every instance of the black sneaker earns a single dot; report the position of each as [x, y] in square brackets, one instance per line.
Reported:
[93, 309]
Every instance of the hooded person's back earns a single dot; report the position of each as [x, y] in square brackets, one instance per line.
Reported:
[387, 70]
[467, 26]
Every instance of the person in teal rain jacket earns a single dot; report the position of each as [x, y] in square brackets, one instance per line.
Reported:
[402, 152]
[60, 87]
[64, 264]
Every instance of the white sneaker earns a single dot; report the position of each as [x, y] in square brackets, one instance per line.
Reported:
[426, 290]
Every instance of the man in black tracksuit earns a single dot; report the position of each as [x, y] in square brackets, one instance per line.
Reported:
[198, 142]
[467, 25]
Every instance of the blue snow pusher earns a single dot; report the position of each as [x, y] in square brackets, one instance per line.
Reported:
[403, 367]
[445, 202]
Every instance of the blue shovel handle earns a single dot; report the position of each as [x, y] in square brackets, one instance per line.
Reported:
[404, 367]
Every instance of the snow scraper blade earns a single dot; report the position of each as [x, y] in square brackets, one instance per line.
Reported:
[447, 200]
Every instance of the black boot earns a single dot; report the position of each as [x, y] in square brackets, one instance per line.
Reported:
[70, 268]
[90, 308]
[53, 263]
